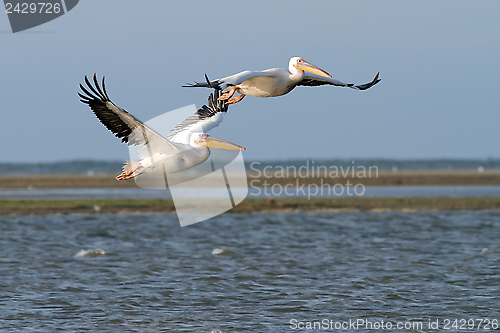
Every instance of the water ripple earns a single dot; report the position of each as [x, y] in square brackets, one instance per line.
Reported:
[245, 272]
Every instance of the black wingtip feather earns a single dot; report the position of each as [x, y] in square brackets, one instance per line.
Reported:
[213, 106]
[208, 81]
[90, 86]
[97, 86]
[215, 84]
[104, 88]
[97, 99]
[370, 84]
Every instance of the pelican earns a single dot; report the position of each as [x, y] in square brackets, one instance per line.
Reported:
[275, 81]
[185, 147]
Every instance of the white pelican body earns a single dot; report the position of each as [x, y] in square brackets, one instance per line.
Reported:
[187, 146]
[269, 83]
[275, 81]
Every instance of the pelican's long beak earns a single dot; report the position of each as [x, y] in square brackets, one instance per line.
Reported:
[305, 66]
[212, 142]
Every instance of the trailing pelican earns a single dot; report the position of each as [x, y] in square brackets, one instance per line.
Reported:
[184, 148]
[275, 81]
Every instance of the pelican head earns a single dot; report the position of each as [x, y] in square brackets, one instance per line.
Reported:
[303, 65]
[205, 140]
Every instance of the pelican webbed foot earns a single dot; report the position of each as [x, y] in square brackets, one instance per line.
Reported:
[228, 93]
[235, 99]
[130, 170]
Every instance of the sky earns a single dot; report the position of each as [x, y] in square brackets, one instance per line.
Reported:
[438, 61]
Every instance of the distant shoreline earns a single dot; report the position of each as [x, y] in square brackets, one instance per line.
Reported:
[28, 207]
[401, 178]
[384, 178]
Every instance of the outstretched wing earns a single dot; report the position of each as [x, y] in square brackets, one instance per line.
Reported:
[223, 83]
[216, 84]
[123, 125]
[312, 80]
[206, 118]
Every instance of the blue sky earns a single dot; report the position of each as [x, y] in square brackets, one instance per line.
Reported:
[438, 60]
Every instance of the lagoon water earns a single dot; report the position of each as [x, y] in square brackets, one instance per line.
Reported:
[256, 272]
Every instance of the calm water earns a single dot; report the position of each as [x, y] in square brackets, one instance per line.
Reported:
[246, 272]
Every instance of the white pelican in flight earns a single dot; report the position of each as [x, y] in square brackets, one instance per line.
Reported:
[184, 148]
[276, 81]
